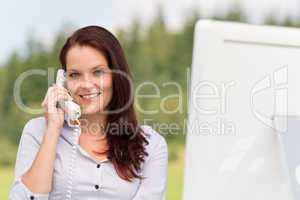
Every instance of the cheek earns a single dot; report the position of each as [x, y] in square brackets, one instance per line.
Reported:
[71, 86]
[106, 84]
[107, 90]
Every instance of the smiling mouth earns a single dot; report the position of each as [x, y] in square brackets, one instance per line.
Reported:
[90, 96]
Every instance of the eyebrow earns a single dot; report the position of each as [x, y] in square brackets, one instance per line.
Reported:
[95, 67]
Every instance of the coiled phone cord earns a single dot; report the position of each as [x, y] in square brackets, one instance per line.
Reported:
[76, 134]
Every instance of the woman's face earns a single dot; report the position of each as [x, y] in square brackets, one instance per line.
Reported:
[89, 79]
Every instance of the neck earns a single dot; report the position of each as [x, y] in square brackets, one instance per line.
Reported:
[93, 124]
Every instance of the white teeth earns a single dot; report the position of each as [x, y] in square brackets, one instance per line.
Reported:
[89, 96]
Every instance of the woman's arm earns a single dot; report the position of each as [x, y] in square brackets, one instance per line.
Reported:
[39, 177]
[35, 157]
[155, 172]
[34, 164]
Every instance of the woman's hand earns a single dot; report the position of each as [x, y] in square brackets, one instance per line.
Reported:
[55, 116]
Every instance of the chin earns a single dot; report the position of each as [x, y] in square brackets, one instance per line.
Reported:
[89, 110]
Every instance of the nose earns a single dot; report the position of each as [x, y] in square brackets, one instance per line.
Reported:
[86, 82]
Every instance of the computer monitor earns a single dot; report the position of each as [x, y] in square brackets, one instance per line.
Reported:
[243, 77]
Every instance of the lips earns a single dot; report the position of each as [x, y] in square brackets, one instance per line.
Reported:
[90, 95]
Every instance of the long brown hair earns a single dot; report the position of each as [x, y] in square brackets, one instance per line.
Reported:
[126, 144]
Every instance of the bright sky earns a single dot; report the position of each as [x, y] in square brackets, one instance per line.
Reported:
[44, 18]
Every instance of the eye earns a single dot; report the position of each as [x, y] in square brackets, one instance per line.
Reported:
[98, 72]
[73, 75]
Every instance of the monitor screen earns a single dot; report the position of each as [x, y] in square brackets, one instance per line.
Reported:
[243, 76]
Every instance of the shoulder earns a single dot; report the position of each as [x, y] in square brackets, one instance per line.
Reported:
[35, 128]
[156, 141]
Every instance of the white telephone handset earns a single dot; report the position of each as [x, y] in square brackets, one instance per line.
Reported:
[72, 110]
[72, 114]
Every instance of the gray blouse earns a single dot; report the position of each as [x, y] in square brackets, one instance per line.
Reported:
[77, 176]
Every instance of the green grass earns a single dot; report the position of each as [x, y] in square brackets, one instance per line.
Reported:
[6, 176]
[174, 185]
[175, 173]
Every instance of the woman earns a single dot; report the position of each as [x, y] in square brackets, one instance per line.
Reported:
[113, 158]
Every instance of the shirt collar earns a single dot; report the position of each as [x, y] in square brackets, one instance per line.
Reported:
[71, 134]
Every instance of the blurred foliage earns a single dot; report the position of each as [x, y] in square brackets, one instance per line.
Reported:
[7, 157]
[155, 54]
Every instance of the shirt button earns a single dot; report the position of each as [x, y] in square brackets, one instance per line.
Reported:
[98, 166]
[31, 197]
[97, 187]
